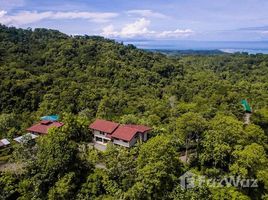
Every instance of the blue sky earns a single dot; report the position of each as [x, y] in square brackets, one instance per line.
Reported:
[198, 20]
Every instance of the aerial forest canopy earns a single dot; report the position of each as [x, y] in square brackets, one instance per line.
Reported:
[192, 102]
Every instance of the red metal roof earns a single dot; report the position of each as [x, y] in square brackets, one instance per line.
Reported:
[115, 130]
[104, 126]
[43, 126]
[124, 133]
[139, 128]
[46, 122]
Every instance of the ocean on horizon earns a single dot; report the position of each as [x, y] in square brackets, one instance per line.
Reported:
[249, 51]
[251, 47]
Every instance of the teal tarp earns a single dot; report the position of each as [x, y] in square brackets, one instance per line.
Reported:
[50, 117]
[246, 106]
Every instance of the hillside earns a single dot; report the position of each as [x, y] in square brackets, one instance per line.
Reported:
[191, 101]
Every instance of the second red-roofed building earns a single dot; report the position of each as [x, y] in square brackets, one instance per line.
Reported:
[123, 135]
[42, 127]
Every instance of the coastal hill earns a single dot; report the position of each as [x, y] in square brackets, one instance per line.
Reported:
[191, 102]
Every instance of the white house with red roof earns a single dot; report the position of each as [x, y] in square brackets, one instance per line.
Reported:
[123, 135]
[42, 127]
[4, 143]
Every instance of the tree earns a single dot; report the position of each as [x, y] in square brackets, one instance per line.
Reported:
[249, 160]
[260, 117]
[158, 167]
[63, 188]
[8, 185]
[76, 127]
[219, 141]
[121, 167]
[189, 128]
[129, 119]
[196, 193]
[94, 186]
[254, 134]
[8, 125]
[223, 193]
[55, 156]
[262, 177]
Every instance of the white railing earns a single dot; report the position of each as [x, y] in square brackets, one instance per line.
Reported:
[97, 134]
[120, 142]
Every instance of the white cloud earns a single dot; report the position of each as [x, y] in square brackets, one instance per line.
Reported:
[94, 16]
[176, 33]
[146, 13]
[109, 31]
[24, 17]
[28, 17]
[141, 28]
[264, 32]
[2, 13]
[137, 28]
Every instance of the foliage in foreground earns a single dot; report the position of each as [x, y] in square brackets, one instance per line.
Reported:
[192, 102]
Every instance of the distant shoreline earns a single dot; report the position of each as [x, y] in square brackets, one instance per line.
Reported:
[254, 47]
[249, 51]
[174, 52]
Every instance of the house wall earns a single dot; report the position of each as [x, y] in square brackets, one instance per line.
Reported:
[101, 140]
[145, 136]
[126, 144]
[133, 141]
[36, 133]
[121, 142]
[97, 134]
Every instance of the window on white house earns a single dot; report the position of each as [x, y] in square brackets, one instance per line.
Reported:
[98, 139]
[105, 141]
